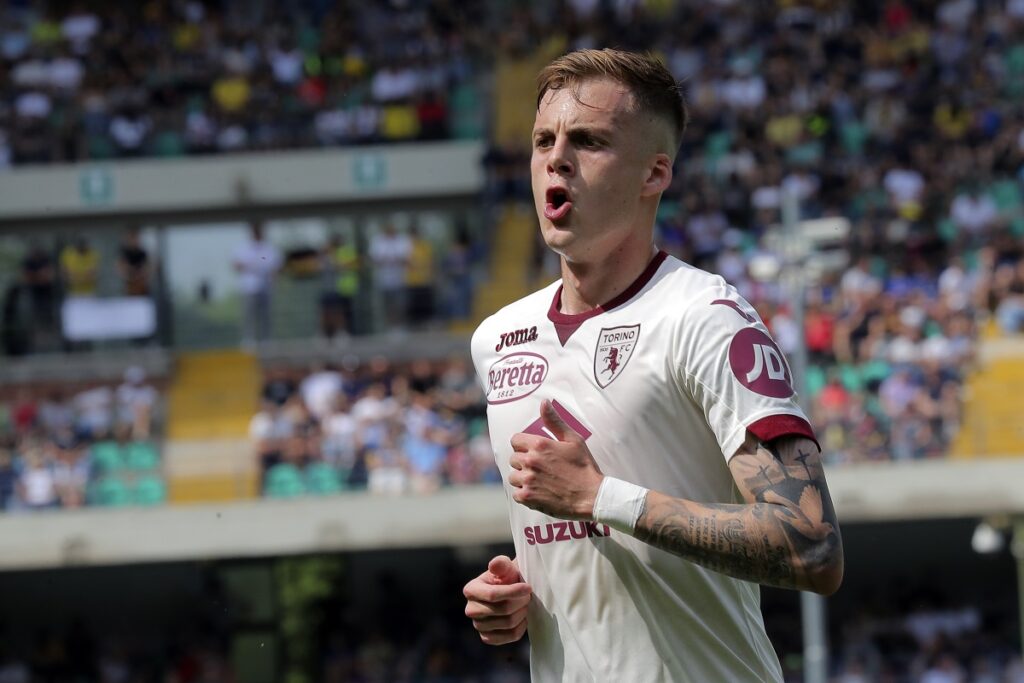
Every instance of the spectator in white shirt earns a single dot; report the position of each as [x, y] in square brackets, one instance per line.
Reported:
[389, 253]
[136, 401]
[974, 212]
[256, 262]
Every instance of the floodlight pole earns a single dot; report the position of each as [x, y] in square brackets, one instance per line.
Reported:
[812, 605]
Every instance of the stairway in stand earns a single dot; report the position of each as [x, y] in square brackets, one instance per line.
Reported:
[213, 398]
[992, 423]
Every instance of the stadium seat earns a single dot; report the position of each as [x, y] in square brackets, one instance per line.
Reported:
[815, 380]
[1006, 194]
[107, 457]
[464, 116]
[109, 492]
[141, 456]
[284, 481]
[853, 135]
[947, 229]
[851, 378]
[322, 479]
[149, 490]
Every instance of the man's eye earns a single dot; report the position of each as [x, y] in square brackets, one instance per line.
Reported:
[543, 142]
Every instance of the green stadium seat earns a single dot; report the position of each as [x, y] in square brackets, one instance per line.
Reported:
[284, 481]
[850, 376]
[322, 479]
[947, 229]
[874, 371]
[149, 490]
[815, 380]
[167, 143]
[1006, 194]
[476, 427]
[1017, 226]
[853, 135]
[99, 147]
[141, 456]
[109, 492]
[465, 107]
[107, 457]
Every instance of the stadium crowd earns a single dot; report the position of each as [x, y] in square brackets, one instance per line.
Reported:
[97, 81]
[94, 444]
[386, 427]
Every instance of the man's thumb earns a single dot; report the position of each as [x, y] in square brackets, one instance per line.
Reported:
[503, 569]
[554, 422]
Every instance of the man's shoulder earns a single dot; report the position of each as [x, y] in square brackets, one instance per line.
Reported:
[523, 312]
[700, 301]
[688, 287]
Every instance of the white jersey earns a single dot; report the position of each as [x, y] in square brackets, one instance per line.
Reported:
[663, 383]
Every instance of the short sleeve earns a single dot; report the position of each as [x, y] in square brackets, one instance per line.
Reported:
[734, 370]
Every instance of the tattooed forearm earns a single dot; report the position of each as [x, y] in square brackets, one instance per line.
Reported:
[786, 535]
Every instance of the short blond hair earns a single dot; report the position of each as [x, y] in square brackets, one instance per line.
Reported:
[652, 86]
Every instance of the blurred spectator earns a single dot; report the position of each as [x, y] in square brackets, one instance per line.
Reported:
[135, 403]
[420, 276]
[133, 265]
[458, 272]
[9, 477]
[94, 410]
[37, 487]
[390, 253]
[256, 263]
[80, 263]
[340, 275]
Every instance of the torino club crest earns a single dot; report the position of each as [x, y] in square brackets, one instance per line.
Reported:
[614, 348]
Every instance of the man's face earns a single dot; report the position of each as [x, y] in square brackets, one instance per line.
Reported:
[591, 158]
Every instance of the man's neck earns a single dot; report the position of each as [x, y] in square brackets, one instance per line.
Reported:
[586, 286]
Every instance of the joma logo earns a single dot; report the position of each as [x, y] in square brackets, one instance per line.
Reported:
[516, 337]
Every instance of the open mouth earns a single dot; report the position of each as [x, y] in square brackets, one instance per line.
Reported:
[557, 203]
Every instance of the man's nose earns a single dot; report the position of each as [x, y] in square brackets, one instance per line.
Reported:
[560, 160]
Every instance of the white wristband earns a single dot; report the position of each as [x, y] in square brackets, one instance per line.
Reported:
[619, 504]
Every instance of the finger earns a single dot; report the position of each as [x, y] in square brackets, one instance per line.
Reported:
[521, 442]
[490, 592]
[501, 622]
[484, 610]
[506, 571]
[515, 479]
[504, 637]
[554, 423]
[515, 461]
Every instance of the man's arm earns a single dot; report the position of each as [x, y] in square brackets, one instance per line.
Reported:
[785, 535]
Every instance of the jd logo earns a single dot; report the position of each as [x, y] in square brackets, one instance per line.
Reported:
[758, 364]
[766, 358]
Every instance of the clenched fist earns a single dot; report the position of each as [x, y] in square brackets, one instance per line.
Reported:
[497, 600]
[558, 476]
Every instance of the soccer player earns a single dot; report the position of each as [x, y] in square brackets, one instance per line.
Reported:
[657, 464]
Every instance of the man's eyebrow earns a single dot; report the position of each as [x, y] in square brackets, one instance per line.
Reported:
[591, 129]
[576, 129]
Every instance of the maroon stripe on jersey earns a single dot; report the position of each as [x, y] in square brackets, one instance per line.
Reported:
[566, 323]
[772, 427]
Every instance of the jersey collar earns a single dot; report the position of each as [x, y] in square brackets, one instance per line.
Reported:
[567, 323]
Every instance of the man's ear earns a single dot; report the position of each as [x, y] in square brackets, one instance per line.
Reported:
[659, 176]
